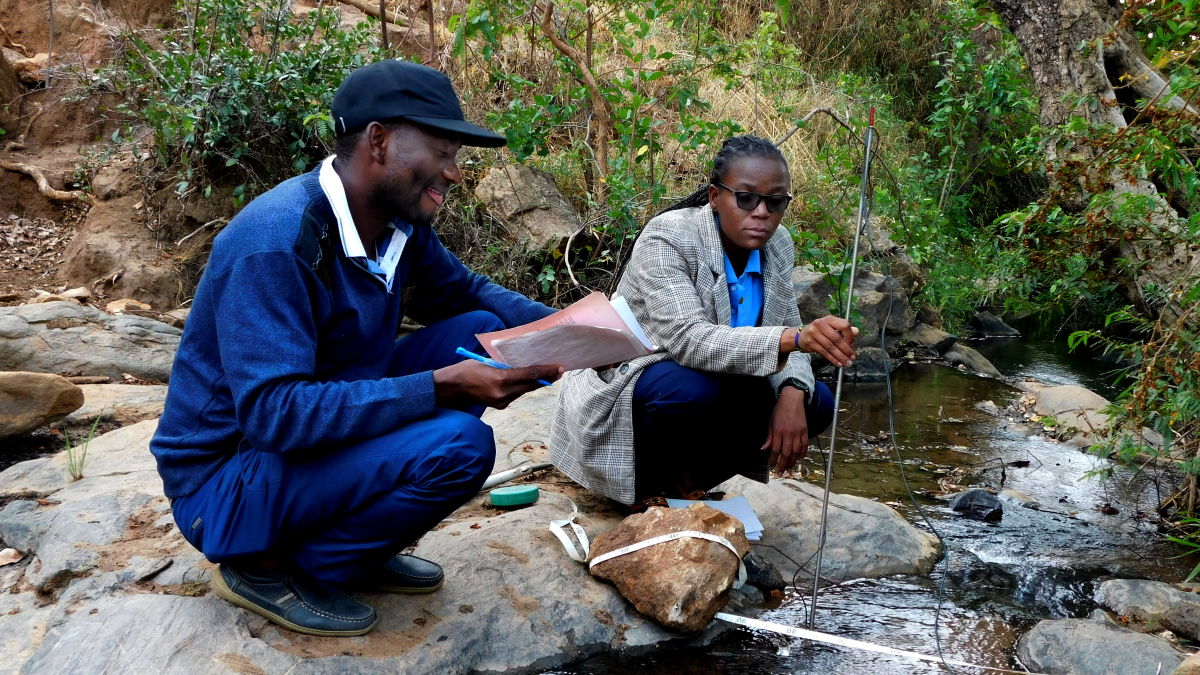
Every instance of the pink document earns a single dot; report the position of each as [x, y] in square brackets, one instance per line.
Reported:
[587, 334]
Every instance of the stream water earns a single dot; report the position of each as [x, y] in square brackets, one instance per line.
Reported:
[1004, 577]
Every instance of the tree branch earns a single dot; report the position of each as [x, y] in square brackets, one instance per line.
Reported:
[44, 185]
[599, 103]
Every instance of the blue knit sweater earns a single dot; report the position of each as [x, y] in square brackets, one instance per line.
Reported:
[287, 342]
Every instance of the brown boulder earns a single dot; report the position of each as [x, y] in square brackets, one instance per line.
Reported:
[32, 400]
[33, 69]
[529, 203]
[680, 584]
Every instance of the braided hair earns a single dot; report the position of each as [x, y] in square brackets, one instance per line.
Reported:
[734, 148]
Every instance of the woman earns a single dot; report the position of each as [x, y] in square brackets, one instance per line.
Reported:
[731, 390]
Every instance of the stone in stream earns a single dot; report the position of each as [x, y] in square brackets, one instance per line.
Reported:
[1020, 499]
[865, 539]
[978, 505]
[1183, 620]
[761, 574]
[32, 400]
[985, 325]
[1073, 406]
[681, 584]
[1140, 598]
[870, 365]
[59, 337]
[962, 355]
[927, 336]
[1089, 647]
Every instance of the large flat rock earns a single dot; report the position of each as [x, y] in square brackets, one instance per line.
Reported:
[160, 635]
[1140, 598]
[1088, 647]
[118, 452]
[522, 429]
[119, 403]
[865, 539]
[62, 337]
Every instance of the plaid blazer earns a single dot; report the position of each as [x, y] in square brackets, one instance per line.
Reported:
[675, 284]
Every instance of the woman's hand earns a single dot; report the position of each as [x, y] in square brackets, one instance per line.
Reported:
[831, 337]
[787, 437]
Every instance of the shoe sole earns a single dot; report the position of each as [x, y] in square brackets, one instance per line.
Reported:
[226, 593]
[403, 590]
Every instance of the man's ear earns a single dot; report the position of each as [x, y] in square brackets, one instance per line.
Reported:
[377, 138]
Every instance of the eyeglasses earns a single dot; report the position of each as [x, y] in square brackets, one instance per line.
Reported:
[748, 201]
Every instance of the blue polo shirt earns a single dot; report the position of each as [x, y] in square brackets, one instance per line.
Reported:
[745, 292]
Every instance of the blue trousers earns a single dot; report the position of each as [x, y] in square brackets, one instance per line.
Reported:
[708, 426]
[342, 511]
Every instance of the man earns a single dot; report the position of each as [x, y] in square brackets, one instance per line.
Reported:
[302, 445]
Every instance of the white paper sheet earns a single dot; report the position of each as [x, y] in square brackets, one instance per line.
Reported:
[738, 507]
[571, 346]
[626, 314]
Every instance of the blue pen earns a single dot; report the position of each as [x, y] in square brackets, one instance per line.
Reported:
[490, 362]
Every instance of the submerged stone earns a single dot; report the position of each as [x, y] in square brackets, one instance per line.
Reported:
[978, 505]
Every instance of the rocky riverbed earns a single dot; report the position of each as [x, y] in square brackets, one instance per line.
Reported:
[107, 584]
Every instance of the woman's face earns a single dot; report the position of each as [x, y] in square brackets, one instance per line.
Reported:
[749, 230]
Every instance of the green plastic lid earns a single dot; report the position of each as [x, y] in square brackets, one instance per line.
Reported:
[516, 495]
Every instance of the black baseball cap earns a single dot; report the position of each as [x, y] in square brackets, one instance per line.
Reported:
[390, 89]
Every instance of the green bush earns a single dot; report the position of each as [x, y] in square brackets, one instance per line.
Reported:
[241, 89]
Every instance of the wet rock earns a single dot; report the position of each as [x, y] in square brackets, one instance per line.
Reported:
[928, 336]
[58, 337]
[680, 584]
[865, 539]
[761, 574]
[978, 505]
[530, 204]
[1140, 598]
[962, 355]
[985, 325]
[1183, 620]
[122, 404]
[32, 400]
[988, 407]
[1087, 647]
[1020, 499]
[870, 365]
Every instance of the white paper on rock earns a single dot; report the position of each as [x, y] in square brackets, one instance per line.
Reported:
[738, 507]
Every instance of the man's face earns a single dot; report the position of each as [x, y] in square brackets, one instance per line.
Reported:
[421, 166]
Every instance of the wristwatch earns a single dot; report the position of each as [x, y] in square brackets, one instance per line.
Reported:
[793, 382]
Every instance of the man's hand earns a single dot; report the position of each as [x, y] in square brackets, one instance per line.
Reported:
[473, 382]
[831, 337]
[787, 438]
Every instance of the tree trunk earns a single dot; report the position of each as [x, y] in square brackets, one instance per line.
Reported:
[1080, 48]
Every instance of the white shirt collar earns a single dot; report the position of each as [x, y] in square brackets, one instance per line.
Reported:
[352, 245]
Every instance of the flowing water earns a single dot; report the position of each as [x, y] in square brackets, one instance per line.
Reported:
[1003, 577]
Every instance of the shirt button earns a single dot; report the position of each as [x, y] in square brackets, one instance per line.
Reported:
[624, 368]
